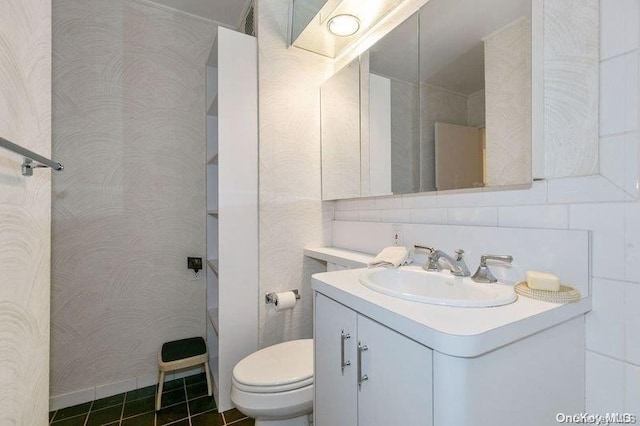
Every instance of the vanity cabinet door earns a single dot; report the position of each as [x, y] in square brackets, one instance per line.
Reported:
[396, 378]
[336, 397]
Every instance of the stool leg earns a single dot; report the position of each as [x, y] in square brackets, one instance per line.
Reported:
[160, 385]
[208, 373]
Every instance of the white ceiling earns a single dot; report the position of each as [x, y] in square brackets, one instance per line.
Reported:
[227, 12]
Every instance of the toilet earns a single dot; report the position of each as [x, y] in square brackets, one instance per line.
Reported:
[275, 385]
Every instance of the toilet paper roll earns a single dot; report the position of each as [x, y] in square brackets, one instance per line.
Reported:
[285, 300]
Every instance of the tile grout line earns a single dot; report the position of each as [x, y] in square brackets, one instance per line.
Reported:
[124, 401]
[186, 399]
[86, 420]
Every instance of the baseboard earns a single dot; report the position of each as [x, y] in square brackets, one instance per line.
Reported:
[81, 396]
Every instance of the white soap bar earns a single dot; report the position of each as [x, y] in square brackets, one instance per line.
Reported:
[542, 281]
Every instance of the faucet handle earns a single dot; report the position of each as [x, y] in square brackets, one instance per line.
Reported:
[459, 254]
[483, 274]
[500, 257]
[420, 247]
[432, 263]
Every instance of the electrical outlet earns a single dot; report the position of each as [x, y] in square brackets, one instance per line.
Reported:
[396, 235]
[196, 276]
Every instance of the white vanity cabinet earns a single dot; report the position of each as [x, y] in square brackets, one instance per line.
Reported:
[521, 363]
[367, 374]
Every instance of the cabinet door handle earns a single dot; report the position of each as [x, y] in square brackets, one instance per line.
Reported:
[361, 377]
[343, 336]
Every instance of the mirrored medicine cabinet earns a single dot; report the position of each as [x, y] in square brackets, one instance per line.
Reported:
[441, 102]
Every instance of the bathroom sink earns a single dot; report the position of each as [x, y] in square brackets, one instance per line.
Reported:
[437, 288]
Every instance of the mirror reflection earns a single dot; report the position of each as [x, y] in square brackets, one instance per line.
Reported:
[391, 81]
[446, 103]
[475, 92]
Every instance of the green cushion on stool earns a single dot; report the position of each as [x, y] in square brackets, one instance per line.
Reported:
[181, 349]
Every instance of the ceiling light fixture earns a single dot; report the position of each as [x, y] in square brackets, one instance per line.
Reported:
[343, 25]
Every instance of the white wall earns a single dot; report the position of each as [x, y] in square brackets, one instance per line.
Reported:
[25, 212]
[291, 213]
[129, 125]
[599, 205]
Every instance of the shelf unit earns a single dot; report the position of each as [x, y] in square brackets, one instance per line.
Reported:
[232, 206]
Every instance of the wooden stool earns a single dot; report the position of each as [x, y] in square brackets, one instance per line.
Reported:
[180, 354]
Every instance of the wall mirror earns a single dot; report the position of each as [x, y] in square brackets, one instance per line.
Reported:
[340, 124]
[445, 103]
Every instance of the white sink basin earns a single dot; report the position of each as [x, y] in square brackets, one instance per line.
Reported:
[437, 288]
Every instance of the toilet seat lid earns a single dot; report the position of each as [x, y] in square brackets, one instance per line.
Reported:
[276, 368]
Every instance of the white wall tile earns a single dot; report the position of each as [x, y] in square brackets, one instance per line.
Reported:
[632, 164]
[619, 26]
[388, 203]
[435, 216]
[619, 94]
[402, 216]
[606, 221]
[370, 215]
[481, 216]
[532, 249]
[632, 241]
[346, 215]
[605, 384]
[619, 160]
[605, 323]
[460, 199]
[612, 157]
[537, 194]
[632, 389]
[342, 205]
[419, 201]
[364, 204]
[632, 323]
[552, 217]
[585, 189]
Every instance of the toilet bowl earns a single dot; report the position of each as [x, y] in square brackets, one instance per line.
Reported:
[275, 384]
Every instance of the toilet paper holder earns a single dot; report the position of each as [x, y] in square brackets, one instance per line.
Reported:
[270, 298]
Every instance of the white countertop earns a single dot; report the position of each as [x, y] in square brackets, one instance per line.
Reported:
[348, 258]
[461, 332]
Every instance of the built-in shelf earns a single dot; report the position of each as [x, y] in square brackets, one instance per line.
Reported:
[212, 313]
[232, 131]
[213, 264]
[342, 257]
[213, 108]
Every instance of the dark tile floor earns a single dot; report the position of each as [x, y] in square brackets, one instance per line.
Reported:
[184, 403]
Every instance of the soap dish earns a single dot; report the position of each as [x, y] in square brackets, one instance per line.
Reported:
[566, 294]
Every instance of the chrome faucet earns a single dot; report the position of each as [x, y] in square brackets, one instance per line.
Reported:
[483, 274]
[457, 265]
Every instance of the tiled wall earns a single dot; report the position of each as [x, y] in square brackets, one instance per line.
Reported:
[602, 205]
[291, 214]
[129, 111]
[25, 212]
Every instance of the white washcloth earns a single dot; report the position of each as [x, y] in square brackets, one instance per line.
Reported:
[391, 257]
